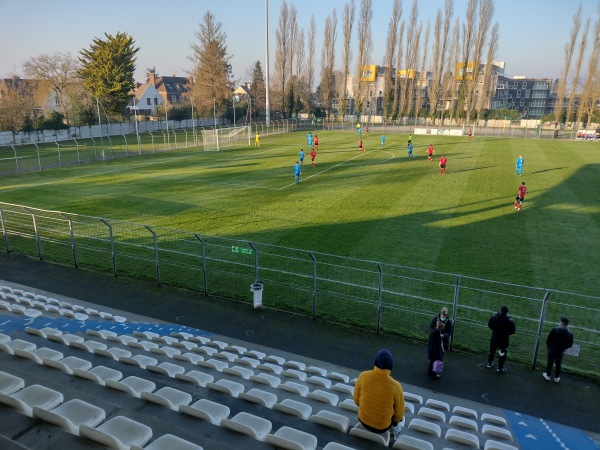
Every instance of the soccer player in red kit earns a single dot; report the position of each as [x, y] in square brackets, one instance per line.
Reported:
[443, 161]
[360, 146]
[520, 197]
[316, 142]
[430, 153]
[313, 154]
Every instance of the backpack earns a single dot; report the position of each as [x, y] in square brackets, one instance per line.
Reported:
[438, 366]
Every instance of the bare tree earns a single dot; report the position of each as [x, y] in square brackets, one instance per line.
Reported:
[18, 103]
[390, 54]
[365, 46]
[293, 43]
[487, 88]
[468, 43]
[591, 89]
[569, 50]
[347, 25]
[328, 61]
[399, 65]
[578, 64]
[486, 13]
[299, 80]
[310, 63]
[449, 89]
[282, 50]
[422, 80]
[59, 72]
[440, 60]
[406, 97]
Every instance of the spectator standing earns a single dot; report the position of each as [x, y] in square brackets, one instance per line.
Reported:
[559, 339]
[444, 318]
[502, 327]
[435, 348]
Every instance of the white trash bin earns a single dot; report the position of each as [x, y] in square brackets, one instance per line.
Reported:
[257, 289]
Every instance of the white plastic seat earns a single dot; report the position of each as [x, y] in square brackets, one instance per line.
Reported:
[92, 312]
[145, 334]
[225, 356]
[138, 360]
[259, 396]
[185, 344]
[34, 395]
[319, 381]
[70, 415]
[118, 433]
[89, 346]
[497, 432]
[104, 334]
[294, 408]
[409, 407]
[39, 354]
[247, 361]
[338, 377]
[165, 339]
[269, 367]
[495, 445]
[296, 388]
[99, 374]
[349, 405]
[169, 442]
[44, 332]
[360, 431]
[265, 378]
[316, 371]
[169, 397]
[122, 339]
[195, 377]
[66, 339]
[411, 443]
[431, 413]
[226, 386]
[33, 313]
[17, 344]
[18, 309]
[166, 351]
[413, 398]
[248, 424]
[199, 339]
[324, 396]
[336, 446]
[294, 365]
[144, 345]
[425, 427]
[437, 404]
[217, 344]
[236, 348]
[343, 388]
[274, 359]
[68, 364]
[238, 371]
[132, 385]
[292, 439]
[293, 373]
[181, 335]
[113, 353]
[466, 412]
[331, 420]
[255, 354]
[189, 357]
[462, 437]
[9, 384]
[204, 409]
[166, 368]
[494, 420]
[52, 308]
[213, 364]
[463, 422]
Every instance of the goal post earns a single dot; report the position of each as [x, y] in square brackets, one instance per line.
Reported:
[221, 138]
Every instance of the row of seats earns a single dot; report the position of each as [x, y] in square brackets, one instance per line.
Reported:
[178, 400]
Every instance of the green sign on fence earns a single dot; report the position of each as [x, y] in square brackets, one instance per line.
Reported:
[243, 250]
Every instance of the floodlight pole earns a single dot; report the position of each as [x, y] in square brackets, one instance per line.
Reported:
[267, 103]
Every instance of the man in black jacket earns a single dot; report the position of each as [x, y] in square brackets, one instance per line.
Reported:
[559, 339]
[502, 328]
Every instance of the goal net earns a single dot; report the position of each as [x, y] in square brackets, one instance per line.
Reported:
[221, 138]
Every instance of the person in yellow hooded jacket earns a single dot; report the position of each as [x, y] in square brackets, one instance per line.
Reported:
[379, 397]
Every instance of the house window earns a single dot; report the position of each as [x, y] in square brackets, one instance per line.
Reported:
[173, 99]
[518, 94]
[522, 103]
[155, 101]
[524, 84]
[148, 101]
[527, 93]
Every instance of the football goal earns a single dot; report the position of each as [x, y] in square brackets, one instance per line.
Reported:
[221, 138]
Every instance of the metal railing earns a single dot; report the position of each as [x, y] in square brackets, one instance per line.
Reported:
[384, 298]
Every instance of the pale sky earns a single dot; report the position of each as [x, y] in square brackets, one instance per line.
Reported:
[532, 32]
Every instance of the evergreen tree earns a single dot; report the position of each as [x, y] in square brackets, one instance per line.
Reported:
[107, 72]
[258, 91]
[212, 70]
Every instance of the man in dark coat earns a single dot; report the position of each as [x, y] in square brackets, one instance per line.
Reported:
[559, 339]
[502, 327]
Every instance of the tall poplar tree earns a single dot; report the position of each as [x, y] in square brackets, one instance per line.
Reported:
[212, 71]
[107, 69]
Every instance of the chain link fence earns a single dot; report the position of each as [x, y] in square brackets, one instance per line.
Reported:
[382, 298]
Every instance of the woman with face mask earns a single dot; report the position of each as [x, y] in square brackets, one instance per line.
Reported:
[448, 326]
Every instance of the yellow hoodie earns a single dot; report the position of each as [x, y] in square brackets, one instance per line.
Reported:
[380, 399]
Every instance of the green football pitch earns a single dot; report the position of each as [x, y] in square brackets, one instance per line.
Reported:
[377, 205]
